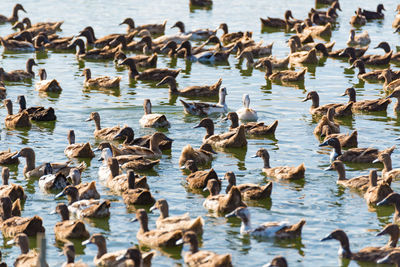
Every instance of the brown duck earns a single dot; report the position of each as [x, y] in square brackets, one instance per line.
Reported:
[249, 191]
[67, 228]
[198, 179]
[315, 109]
[191, 91]
[366, 105]
[149, 74]
[19, 75]
[12, 191]
[103, 133]
[14, 16]
[18, 120]
[200, 156]
[252, 128]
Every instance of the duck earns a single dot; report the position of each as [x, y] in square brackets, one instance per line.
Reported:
[200, 3]
[13, 191]
[85, 190]
[101, 81]
[150, 74]
[376, 193]
[395, 94]
[268, 229]
[231, 139]
[257, 50]
[229, 37]
[86, 208]
[44, 85]
[320, 47]
[122, 182]
[280, 23]
[67, 228]
[374, 60]
[154, 120]
[278, 261]
[315, 109]
[346, 140]
[200, 156]
[191, 91]
[198, 179]
[327, 121]
[285, 76]
[390, 83]
[220, 203]
[155, 238]
[133, 256]
[204, 56]
[260, 63]
[137, 196]
[372, 14]
[42, 27]
[27, 257]
[305, 45]
[14, 16]
[19, 75]
[388, 171]
[392, 230]
[252, 128]
[318, 31]
[196, 257]
[249, 191]
[36, 113]
[73, 150]
[361, 39]
[96, 54]
[69, 252]
[322, 18]
[393, 198]
[371, 75]
[386, 47]
[15, 45]
[7, 157]
[282, 172]
[366, 105]
[51, 182]
[199, 34]
[355, 155]
[154, 29]
[302, 57]
[102, 42]
[246, 113]
[141, 61]
[19, 120]
[180, 222]
[205, 109]
[358, 19]
[61, 43]
[14, 225]
[103, 133]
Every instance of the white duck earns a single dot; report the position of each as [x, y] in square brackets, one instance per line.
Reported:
[104, 171]
[203, 109]
[153, 120]
[359, 39]
[45, 85]
[246, 113]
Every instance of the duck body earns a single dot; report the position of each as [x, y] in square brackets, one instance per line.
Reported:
[366, 105]
[202, 109]
[90, 208]
[48, 86]
[100, 82]
[316, 109]
[150, 119]
[200, 156]
[16, 225]
[50, 182]
[361, 39]
[220, 203]
[67, 228]
[346, 140]
[103, 133]
[192, 91]
[249, 191]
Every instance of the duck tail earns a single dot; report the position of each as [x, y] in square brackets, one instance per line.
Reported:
[239, 138]
[197, 225]
[296, 228]
[147, 257]
[34, 226]
[273, 126]
[388, 180]
[16, 208]
[300, 170]
[82, 166]
[105, 205]
[302, 73]
[267, 189]
[351, 140]
[389, 150]
[217, 85]
[185, 105]
[153, 59]
[222, 260]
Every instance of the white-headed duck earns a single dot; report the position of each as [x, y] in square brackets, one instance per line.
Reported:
[150, 119]
[44, 85]
[361, 39]
[81, 150]
[68, 228]
[387, 171]
[13, 191]
[27, 257]
[191, 91]
[366, 105]
[101, 81]
[316, 109]
[249, 191]
[19, 75]
[19, 120]
[202, 109]
[103, 133]
[150, 74]
[246, 113]
[14, 17]
[252, 128]
[200, 156]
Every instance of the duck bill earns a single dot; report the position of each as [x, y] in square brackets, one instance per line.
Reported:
[324, 144]
[160, 83]
[179, 242]
[224, 119]
[53, 212]
[304, 99]
[168, 139]
[134, 219]
[326, 238]
[382, 203]
[254, 156]
[11, 242]
[88, 119]
[342, 54]
[376, 161]
[182, 168]
[398, 138]
[16, 156]
[384, 260]
[153, 208]
[120, 258]
[86, 242]
[61, 194]
[213, 151]
[197, 126]
[230, 215]
[328, 168]
[344, 94]
[100, 159]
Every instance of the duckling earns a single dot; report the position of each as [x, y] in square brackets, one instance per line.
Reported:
[141, 61]
[358, 19]
[67, 228]
[36, 113]
[105, 133]
[390, 84]
[14, 16]
[355, 155]
[284, 75]
[376, 193]
[85, 190]
[18, 120]
[246, 113]
[101, 81]
[231, 139]
[153, 119]
[278, 261]
[396, 94]
[268, 229]
[12, 191]
[249, 191]
[199, 34]
[137, 196]
[200, 156]
[204, 109]
[280, 23]
[86, 208]
[229, 37]
[191, 91]
[388, 171]
[346, 140]
[372, 75]
[315, 109]
[180, 222]
[222, 203]
[361, 39]
[73, 150]
[196, 257]
[45, 85]
[154, 29]
[12, 226]
[386, 47]
[50, 182]
[372, 14]
[327, 121]
[375, 60]
[198, 179]
[19, 75]
[27, 257]
[282, 172]
[252, 128]
[69, 252]
[366, 105]
[150, 74]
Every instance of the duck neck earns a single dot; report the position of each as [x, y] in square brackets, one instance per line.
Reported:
[7, 213]
[128, 140]
[222, 99]
[101, 249]
[188, 52]
[97, 123]
[387, 163]
[114, 168]
[64, 215]
[172, 86]
[132, 70]
[361, 69]
[154, 146]
[245, 225]
[266, 162]
[131, 180]
[164, 212]
[29, 67]
[345, 245]
[88, 75]
[72, 198]
[341, 172]
[352, 96]
[394, 238]
[30, 162]
[194, 246]
[210, 131]
[144, 225]
[70, 258]
[14, 16]
[268, 70]
[234, 123]
[81, 48]
[315, 101]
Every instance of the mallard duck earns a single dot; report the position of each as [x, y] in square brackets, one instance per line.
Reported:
[327, 121]
[199, 34]
[268, 229]
[387, 171]
[390, 84]
[282, 172]
[50, 181]
[355, 155]
[361, 39]
[103, 258]
[315, 109]
[149, 74]
[73, 150]
[101, 81]
[283, 75]
[67, 228]
[45, 85]
[103, 133]
[386, 47]
[69, 252]
[229, 37]
[200, 156]
[198, 179]
[366, 105]
[376, 193]
[252, 128]
[220, 203]
[98, 53]
[249, 191]
[180, 222]
[141, 61]
[27, 257]
[36, 113]
[375, 60]
[85, 190]
[150, 119]
[278, 261]
[372, 14]
[204, 109]
[358, 19]
[12, 191]
[11, 226]
[14, 16]
[87, 208]
[396, 94]
[280, 23]
[19, 75]
[372, 75]
[196, 257]
[246, 113]
[18, 120]
[346, 140]
[154, 29]
[303, 57]
[191, 91]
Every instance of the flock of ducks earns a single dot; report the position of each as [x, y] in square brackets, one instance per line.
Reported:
[122, 154]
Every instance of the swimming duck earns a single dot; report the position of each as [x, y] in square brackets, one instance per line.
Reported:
[198, 179]
[42, 27]
[14, 16]
[180, 222]
[372, 14]
[88, 32]
[196, 257]
[280, 23]
[69, 252]
[249, 191]
[67, 228]
[393, 231]
[199, 34]
[86, 208]
[101, 81]
[141, 61]
[322, 18]
[302, 57]
[283, 75]
[150, 74]
[376, 193]
[103, 133]
[386, 47]
[372, 75]
[20, 119]
[278, 261]
[246, 113]
[320, 47]
[327, 121]
[252, 128]
[390, 83]
[355, 155]
[19, 75]
[282, 172]
[191, 91]
[7, 157]
[229, 37]
[97, 53]
[154, 29]
[14, 45]
[396, 94]
[346, 140]
[12, 191]
[268, 229]
[302, 45]
[153, 119]
[204, 109]
[315, 109]
[103, 258]
[358, 19]
[137, 196]
[45, 85]
[204, 56]
[27, 257]
[178, 38]
[361, 39]
[85, 190]
[318, 31]
[50, 181]
[257, 50]
[368, 59]
[122, 182]
[260, 63]
[61, 43]
[388, 171]
[222, 203]
[366, 105]
[36, 113]
[73, 150]
[200, 156]
[11, 226]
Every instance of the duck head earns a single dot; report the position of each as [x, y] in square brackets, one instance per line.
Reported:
[213, 186]
[132, 254]
[62, 210]
[393, 198]
[87, 73]
[77, 43]
[231, 178]
[314, 97]
[189, 237]
[208, 124]
[126, 133]
[379, 8]
[393, 231]
[128, 21]
[171, 45]
[351, 92]
[384, 45]
[180, 25]
[106, 154]
[234, 118]
[42, 74]
[22, 241]
[263, 153]
[278, 261]
[241, 212]
[71, 192]
[335, 144]
[190, 165]
[162, 206]
[341, 236]
[223, 27]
